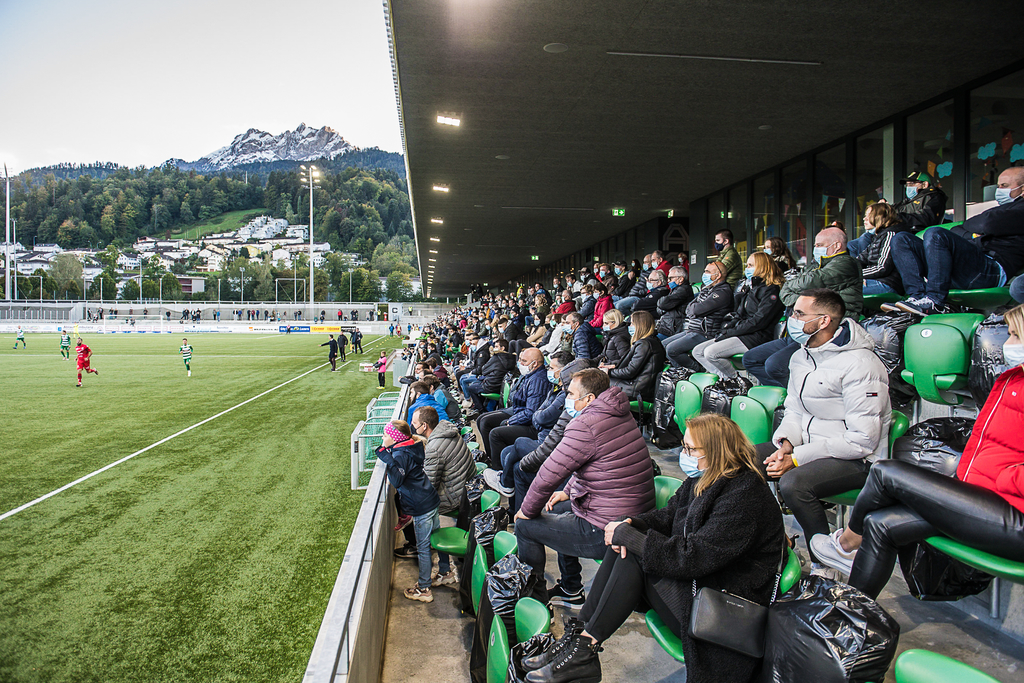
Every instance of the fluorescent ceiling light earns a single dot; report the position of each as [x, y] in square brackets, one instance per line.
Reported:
[448, 120]
[433, 251]
[435, 239]
[439, 221]
[440, 188]
[710, 58]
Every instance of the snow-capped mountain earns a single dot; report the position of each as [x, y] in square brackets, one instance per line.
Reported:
[253, 146]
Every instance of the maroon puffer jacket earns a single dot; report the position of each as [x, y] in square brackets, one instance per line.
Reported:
[604, 451]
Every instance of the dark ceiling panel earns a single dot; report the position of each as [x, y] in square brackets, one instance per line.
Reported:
[585, 129]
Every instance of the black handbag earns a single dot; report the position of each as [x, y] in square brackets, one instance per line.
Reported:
[730, 621]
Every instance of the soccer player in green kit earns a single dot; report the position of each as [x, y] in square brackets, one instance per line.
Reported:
[65, 345]
[20, 338]
[186, 355]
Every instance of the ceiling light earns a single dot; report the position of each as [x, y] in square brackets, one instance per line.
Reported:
[749, 60]
[433, 259]
[764, 127]
[555, 48]
[435, 239]
[503, 157]
[448, 120]
[439, 221]
[440, 188]
[433, 251]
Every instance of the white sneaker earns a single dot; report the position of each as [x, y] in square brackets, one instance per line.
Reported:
[826, 572]
[493, 479]
[449, 579]
[828, 551]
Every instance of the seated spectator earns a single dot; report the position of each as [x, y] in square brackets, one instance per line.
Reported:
[637, 373]
[437, 367]
[924, 205]
[572, 283]
[558, 337]
[403, 457]
[982, 506]
[500, 364]
[603, 303]
[639, 288]
[752, 322]
[442, 396]
[835, 270]
[473, 367]
[704, 317]
[671, 310]
[501, 428]
[729, 257]
[983, 252]
[777, 249]
[837, 413]
[610, 477]
[587, 302]
[615, 338]
[658, 262]
[877, 264]
[722, 529]
[626, 277]
[584, 339]
[657, 287]
[567, 305]
[509, 330]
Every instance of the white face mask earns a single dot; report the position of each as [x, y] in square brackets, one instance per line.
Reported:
[1013, 354]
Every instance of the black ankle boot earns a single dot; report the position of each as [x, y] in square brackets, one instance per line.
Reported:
[576, 663]
[573, 627]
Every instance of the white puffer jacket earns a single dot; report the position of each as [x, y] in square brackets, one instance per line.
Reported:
[837, 404]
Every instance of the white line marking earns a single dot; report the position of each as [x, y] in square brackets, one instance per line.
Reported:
[151, 446]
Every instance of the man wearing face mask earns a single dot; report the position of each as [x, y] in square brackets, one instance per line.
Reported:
[837, 412]
[501, 428]
[729, 257]
[834, 269]
[626, 279]
[584, 338]
[984, 252]
[639, 288]
[658, 262]
[923, 205]
[672, 307]
[704, 317]
[604, 456]
[657, 289]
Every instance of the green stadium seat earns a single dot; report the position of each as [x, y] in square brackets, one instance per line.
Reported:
[665, 488]
[532, 618]
[979, 559]
[498, 652]
[768, 396]
[753, 419]
[790, 572]
[922, 666]
[465, 430]
[937, 353]
[875, 301]
[737, 361]
[473, 445]
[687, 402]
[502, 398]
[453, 540]
[480, 467]
[505, 544]
[702, 380]
[477, 577]
[980, 299]
[946, 226]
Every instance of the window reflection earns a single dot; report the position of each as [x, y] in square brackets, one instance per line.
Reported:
[764, 209]
[997, 134]
[874, 177]
[794, 194]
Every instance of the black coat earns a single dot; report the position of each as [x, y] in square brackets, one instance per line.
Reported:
[649, 302]
[672, 310]
[499, 365]
[480, 358]
[637, 373]
[705, 313]
[729, 538]
[926, 208]
[877, 263]
[616, 344]
[639, 287]
[757, 311]
[513, 332]
[625, 284]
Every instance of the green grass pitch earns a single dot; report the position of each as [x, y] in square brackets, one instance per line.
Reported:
[208, 558]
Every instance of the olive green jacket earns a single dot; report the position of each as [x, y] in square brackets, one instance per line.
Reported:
[840, 272]
[730, 258]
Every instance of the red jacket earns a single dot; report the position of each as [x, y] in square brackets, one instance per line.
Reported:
[994, 457]
[664, 267]
[565, 307]
[603, 305]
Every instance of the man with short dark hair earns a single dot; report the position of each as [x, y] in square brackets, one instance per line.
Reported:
[610, 477]
[728, 256]
[584, 339]
[837, 412]
[332, 352]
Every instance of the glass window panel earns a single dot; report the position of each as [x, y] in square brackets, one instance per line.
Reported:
[764, 209]
[874, 176]
[829, 188]
[737, 219]
[930, 146]
[997, 134]
[717, 219]
[794, 194]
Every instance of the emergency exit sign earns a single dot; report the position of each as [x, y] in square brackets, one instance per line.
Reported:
[618, 212]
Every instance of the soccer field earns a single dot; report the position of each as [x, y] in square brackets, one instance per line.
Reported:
[209, 557]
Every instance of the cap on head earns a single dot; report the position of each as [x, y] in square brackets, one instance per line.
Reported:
[918, 177]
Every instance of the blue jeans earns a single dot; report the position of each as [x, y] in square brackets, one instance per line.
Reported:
[570, 536]
[948, 261]
[857, 246]
[769, 362]
[425, 524]
[510, 457]
[522, 485]
[1017, 289]
[468, 377]
[625, 304]
[472, 390]
[877, 287]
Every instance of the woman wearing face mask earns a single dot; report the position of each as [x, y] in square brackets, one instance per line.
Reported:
[757, 310]
[615, 337]
[982, 506]
[602, 303]
[777, 249]
[704, 317]
[625, 277]
[588, 303]
[722, 528]
[879, 269]
[637, 373]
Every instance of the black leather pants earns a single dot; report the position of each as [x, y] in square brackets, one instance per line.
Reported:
[903, 504]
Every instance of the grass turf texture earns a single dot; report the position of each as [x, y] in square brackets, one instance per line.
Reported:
[208, 558]
[229, 221]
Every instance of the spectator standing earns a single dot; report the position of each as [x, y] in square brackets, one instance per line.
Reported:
[728, 256]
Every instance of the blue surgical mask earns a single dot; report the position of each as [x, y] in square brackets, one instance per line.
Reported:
[647, 266]
[688, 464]
[911, 192]
[1003, 194]
[1013, 354]
[570, 407]
[672, 284]
[631, 329]
[618, 271]
[820, 253]
[606, 328]
[795, 328]
[748, 272]
[551, 376]
[719, 246]
[768, 250]
[650, 286]
[706, 279]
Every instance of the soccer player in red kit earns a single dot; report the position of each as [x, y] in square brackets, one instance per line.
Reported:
[84, 354]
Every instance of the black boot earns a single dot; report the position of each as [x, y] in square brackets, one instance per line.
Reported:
[573, 627]
[577, 663]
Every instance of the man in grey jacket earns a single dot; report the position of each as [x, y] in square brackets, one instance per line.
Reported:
[837, 412]
[448, 463]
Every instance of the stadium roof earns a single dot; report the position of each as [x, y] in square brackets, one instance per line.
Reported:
[551, 141]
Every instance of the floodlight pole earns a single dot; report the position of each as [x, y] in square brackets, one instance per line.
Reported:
[241, 285]
[7, 243]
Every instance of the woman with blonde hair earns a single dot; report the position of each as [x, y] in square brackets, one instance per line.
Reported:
[636, 374]
[756, 311]
[982, 505]
[722, 529]
[615, 337]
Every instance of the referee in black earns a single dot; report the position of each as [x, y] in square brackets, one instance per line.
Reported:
[357, 341]
[332, 352]
[342, 343]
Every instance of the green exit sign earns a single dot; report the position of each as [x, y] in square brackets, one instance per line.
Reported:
[535, 258]
[618, 212]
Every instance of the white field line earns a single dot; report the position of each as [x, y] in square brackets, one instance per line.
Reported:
[151, 446]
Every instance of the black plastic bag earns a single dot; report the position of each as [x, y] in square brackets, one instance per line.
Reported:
[935, 576]
[665, 396]
[887, 330]
[777, 417]
[520, 651]
[987, 361]
[718, 397]
[827, 632]
[507, 581]
[469, 506]
[935, 444]
[481, 532]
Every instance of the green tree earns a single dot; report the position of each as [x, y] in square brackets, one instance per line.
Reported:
[399, 288]
[66, 268]
[172, 288]
[104, 284]
[130, 291]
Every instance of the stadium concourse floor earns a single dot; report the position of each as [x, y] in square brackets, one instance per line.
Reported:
[431, 642]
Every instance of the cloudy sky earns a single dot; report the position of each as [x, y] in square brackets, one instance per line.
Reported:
[140, 82]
